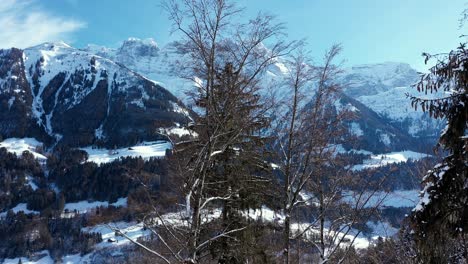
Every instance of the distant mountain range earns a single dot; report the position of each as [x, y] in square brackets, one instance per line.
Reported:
[380, 88]
[101, 95]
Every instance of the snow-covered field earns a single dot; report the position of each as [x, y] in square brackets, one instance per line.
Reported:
[136, 230]
[85, 206]
[380, 160]
[178, 131]
[359, 242]
[71, 208]
[146, 150]
[43, 257]
[19, 207]
[399, 198]
[19, 145]
[132, 229]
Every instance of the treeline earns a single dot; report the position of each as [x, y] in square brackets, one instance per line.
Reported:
[74, 179]
[71, 178]
[17, 176]
[23, 235]
[81, 180]
[396, 176]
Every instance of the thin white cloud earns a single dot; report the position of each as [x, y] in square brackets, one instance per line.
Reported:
[24, 24]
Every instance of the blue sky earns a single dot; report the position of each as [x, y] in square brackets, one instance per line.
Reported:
[370, 31]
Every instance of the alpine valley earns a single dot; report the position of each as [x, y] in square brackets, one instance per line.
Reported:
[82, 130]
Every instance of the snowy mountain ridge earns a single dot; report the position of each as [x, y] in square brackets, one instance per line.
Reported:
[147, 58]
[59, 86]
[62, 78]
[381, 87]
[378, 77]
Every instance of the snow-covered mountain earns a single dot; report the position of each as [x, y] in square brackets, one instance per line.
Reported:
[372, 132]
[150, 60]
[372, 79]
[101, 88]
[379, 87]
[383, 87]
[76, 97]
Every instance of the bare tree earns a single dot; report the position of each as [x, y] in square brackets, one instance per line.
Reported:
[315, 177]
[222, 170]
[223, 165]
[300, 134]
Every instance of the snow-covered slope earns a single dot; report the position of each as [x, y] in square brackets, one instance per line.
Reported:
[22, 207]
[372, 79]
[381, 87]
[145, 150]
[19, 145]
[379, 160]
[147, 58]
[100, 94]
[78, 97]
[158, 63]
[394, 104]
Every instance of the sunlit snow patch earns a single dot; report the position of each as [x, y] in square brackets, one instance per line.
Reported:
[85, 206]
[19, 145]
[146, 150]
[132, 230]
[18, 208]
[380, 160]
[42, 257]
[31, 183]
[178, 131]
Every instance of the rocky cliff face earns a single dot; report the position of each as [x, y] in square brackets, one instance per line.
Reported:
[16, 98]
[77, 98]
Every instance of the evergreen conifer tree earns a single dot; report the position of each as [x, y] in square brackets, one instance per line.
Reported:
[441, 217]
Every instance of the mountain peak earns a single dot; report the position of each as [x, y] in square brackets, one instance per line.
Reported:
[52, 46]
[139, 47]
[383, 69]
[370, 79]
[146, 42]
